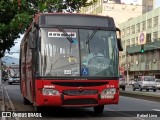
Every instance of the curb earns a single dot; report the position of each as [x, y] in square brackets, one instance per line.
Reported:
[141, 96]
[2, 105]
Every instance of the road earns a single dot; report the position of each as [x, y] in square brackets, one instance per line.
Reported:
[126, 108]
[129, 88]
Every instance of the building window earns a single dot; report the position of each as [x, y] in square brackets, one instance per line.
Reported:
[143, 25]
[132, 42]
[136, 57]
[149, 8]
[148, 38]
[150, 57]
[123, 32]
[132, 58]
[128, 31]
[138, 27]
[128, 42]
[149, 23]
[142, 58]
[136, 41]
[123, 45]
[155, 36]
[154, 56]
[155, 21]
[133, 29]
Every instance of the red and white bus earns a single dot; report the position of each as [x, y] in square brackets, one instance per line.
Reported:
[53, 69]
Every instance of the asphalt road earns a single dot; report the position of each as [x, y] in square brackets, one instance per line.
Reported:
[127, 109]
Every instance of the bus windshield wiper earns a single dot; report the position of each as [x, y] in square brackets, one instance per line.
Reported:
[69, 38]
[92, 35]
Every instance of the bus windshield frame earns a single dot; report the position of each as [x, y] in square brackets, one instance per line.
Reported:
[59, 57]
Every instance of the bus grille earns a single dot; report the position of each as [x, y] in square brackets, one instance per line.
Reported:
[78, 92]
[83, 101]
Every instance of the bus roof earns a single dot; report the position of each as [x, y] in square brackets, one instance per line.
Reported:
[74, 19]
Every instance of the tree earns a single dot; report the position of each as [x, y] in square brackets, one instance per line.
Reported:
[16, 16]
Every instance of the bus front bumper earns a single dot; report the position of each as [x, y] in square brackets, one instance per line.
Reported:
[62, 100]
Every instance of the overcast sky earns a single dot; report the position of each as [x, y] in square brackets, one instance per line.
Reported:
[157, 3]
[15, 48]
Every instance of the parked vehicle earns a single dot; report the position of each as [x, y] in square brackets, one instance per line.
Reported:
[4, 75]
[132, 81]
[158, 84]
[122, 83]
[13, 76]
[145, 82]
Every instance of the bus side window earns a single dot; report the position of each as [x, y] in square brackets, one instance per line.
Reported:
[32, 40]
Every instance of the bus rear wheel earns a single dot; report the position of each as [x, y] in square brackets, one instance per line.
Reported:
[99, 109]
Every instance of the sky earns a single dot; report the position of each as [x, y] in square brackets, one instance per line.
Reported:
[157, 3]
[15, 48]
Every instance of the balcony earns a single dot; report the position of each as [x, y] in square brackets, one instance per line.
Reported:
[147, 47]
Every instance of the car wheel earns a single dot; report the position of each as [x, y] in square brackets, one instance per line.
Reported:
[39, 109]
[9, 83]
[140, 88]
[123, 88]
[134, 88]
[147, 90]
[99, 109]
[154, 90]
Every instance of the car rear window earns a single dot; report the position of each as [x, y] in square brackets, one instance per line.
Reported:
[149, 79]
[158, 80]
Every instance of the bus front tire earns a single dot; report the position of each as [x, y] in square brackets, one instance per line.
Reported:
[9, 83]
[38, 108]
[99, 109]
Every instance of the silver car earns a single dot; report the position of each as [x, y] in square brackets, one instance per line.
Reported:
[145, 82]
[158, 83]
[13, 79]
[122, 83]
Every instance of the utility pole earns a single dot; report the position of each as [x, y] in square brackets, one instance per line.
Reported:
[127, 68]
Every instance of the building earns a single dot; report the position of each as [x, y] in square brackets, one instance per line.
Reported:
[148, 5]
[141, 40]
[121, 12]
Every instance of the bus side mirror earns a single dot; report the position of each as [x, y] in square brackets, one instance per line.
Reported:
[31, 41]
[119, 42]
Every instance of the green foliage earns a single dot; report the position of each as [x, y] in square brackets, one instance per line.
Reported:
[15, 18]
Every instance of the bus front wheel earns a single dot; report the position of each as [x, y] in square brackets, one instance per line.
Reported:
[99, 109]
[38, 109]
[26, 101]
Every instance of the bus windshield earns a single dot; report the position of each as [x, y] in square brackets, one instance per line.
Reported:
[84, 54]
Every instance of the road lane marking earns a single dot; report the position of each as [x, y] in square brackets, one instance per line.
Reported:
[124, 114]
[156, 109]
[11, 104]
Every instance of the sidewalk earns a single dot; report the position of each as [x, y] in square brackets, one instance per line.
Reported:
[2, 105]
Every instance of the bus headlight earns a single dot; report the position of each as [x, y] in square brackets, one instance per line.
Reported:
[108, 93]
[47, 91]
